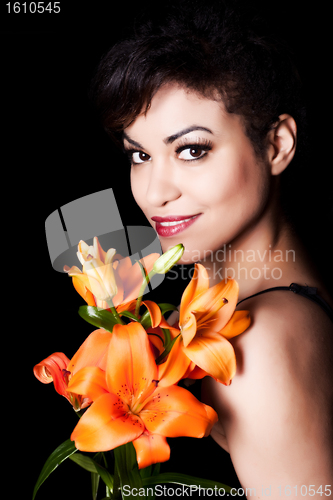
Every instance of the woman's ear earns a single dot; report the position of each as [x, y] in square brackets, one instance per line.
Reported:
[282, 143]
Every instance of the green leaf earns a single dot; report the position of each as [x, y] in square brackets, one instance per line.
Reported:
[94, 484]
[84, 461]
[150, 471]
[97, 316]
[156, 470]
[146, 472]
[95, 477]
[91, 465]
[165, 307]
[60, 454]
[127, 468]
[105, 476]
[128, 314]
[167, 336]
[161, 357]
[146, 319]
[184, 479]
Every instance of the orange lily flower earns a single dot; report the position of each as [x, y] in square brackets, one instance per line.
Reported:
[106, 275]
[128, 404]
[57, 368]
[207, 320]
[176, 365]
[129, 277]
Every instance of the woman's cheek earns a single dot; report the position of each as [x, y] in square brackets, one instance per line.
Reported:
[138, 188]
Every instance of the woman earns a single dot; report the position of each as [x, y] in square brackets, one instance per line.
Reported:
[209, 112]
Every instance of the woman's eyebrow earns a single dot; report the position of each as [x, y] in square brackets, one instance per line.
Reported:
[131, 141]
[172, 138]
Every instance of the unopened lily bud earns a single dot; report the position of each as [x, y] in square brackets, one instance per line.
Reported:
[168, 259]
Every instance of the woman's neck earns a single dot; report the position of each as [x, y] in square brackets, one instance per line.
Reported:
[266, 256]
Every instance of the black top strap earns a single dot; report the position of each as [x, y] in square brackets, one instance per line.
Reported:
[304, 291]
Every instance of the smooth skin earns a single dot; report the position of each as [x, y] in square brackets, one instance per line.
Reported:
[275, 419]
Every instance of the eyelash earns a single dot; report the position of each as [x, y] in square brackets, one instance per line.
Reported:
[203, 144]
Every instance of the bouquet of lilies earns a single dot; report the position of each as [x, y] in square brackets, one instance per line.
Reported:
[123, 380]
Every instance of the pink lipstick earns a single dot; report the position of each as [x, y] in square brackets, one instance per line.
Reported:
[173, 224]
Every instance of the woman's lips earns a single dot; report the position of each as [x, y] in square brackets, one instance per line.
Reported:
[173, 224]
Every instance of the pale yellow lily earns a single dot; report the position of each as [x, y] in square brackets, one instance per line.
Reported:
[97, 274]
[107, 276]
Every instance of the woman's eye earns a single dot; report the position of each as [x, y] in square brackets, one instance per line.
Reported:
[192, 153]
[140, 157]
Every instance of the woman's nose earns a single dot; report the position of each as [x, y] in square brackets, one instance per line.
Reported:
[163, 186]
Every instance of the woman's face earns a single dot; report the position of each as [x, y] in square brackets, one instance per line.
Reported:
[194, 173]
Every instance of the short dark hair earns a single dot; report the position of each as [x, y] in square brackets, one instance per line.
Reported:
[210, 47]
[225, 49]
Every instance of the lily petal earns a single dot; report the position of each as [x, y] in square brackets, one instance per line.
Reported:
[218, 304]
[175, 367]
[123, 271]
[213, 354]
[89, 382]
[81, 284]
[106, 425]
[90, 282]
[151, 449]
[72, 270]
[154, 311]
[211, 415]
[83, 249]
[131, 276]
[174, 331]
[83, 291]
[230, 292]
[131, 366]
[156, 337]
[189, 328]
[99, 253]
[51, 370]
[238, 323]
[101, 279]
[149, 260]
[210, 300]
[198, 284]
[93, 351]
[195, 373]
[174, 411]
[125, 306]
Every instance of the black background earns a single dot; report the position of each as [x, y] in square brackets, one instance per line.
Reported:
[55, 152]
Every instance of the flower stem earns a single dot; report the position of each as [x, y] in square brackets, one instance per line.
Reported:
[145, 282]
[114, 312]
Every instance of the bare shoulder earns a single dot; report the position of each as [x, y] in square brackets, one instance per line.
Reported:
[277, 414]
[288, 329]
